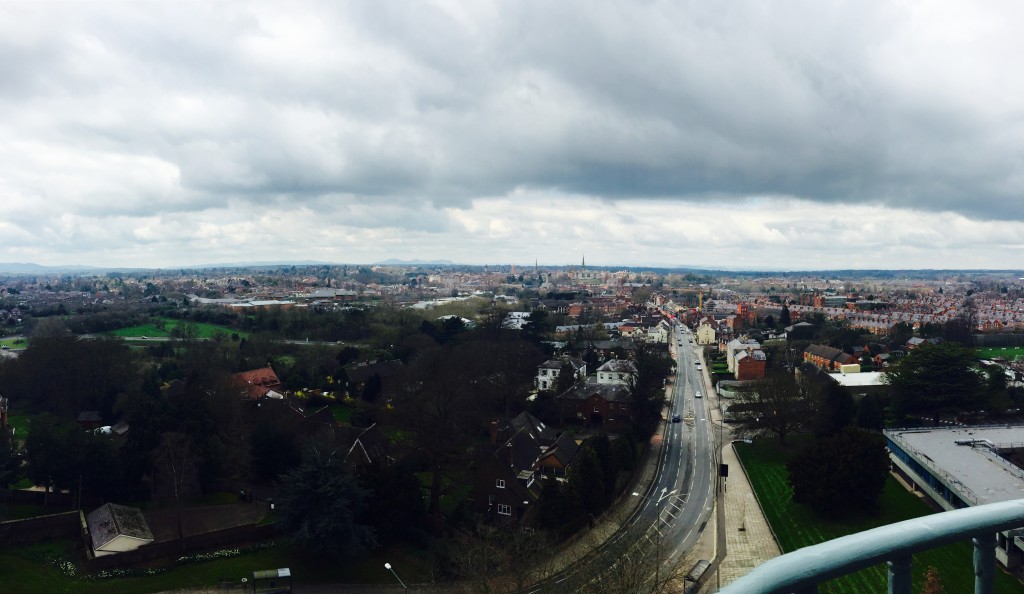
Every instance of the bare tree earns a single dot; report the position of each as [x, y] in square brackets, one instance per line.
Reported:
[503, 560]
[436, 402]
[177, 476]
[778, 405]
[636, 561]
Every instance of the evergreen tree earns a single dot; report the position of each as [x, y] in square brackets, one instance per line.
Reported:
[936, 380]
[784, 317]
[836, 410]
[839, 474]
[321, 503]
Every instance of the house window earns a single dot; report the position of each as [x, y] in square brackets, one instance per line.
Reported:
[543, 371]
[504, 510]
[500, 483]
[597, 409]
[544, 385]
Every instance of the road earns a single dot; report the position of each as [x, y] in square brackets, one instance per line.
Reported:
[685, 480]
[678, 503]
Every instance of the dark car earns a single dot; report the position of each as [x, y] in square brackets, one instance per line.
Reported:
[676, 419]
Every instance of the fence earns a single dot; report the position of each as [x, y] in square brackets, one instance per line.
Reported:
[41, 528]
[999, 340]
[173, 548]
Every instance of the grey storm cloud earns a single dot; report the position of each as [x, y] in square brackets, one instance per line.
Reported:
[906, 105]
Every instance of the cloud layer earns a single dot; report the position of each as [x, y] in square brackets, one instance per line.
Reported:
[869, 134]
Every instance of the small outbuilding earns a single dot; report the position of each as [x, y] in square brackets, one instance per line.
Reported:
[117, 528]
[272, 581]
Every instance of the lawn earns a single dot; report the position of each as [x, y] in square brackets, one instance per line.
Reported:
[797, 526]
[14, 342]
[1010, 353]
[341, 413]
[202, 330]
[20, 424]
[30, 569]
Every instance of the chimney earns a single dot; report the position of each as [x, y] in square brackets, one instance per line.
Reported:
[508, 448]
[494, 432]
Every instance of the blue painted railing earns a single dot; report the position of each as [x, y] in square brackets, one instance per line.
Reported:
[801, 571]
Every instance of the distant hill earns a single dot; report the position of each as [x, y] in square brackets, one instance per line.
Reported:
[397, 262]
[28, 268]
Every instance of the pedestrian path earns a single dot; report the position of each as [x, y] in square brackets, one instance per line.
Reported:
[749, 541]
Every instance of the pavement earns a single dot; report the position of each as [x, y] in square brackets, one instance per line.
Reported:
[744, 539]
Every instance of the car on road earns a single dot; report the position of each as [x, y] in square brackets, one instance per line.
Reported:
[697, 394]
[676, 419]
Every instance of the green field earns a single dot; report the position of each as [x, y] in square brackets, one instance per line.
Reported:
[797, 526]
[1010, 353]
[165, 327]
[14, 342]
[30, 569]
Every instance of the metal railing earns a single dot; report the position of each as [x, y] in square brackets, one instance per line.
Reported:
[801, 571]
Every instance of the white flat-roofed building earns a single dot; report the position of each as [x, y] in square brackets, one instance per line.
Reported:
[860, 379]
[963, 467]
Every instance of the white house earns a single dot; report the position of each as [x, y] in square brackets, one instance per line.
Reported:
[117, 528]
[705, 333]
[616, 371]
[660, 332]
[548, 371]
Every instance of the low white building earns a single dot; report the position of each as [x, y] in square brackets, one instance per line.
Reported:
[116, 529]
[958, 467]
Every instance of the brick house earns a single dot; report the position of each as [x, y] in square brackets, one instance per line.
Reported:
[828, 358]
[751, 364]
[505, 486]
[260, 383]
[556, 459]
[604, 406]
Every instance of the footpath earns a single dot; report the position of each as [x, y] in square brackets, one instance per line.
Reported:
[742, 537]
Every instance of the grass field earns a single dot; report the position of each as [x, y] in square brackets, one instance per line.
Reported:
[14, 342]
[168, 325]
[797, 526]
[30, 569]
[1008, 352]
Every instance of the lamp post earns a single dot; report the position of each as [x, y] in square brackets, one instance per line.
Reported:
[665, 494]
[387, 566]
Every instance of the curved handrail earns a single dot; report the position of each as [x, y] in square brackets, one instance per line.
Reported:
[812, 565]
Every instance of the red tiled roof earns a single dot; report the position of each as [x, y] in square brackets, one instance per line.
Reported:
[258, 382]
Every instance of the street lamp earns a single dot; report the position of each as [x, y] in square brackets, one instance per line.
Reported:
[657, 528]
[387, 566]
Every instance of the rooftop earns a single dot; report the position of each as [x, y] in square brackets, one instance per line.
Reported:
[969, 455]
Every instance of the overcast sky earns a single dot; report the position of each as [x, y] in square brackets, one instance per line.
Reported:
[780, 135]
